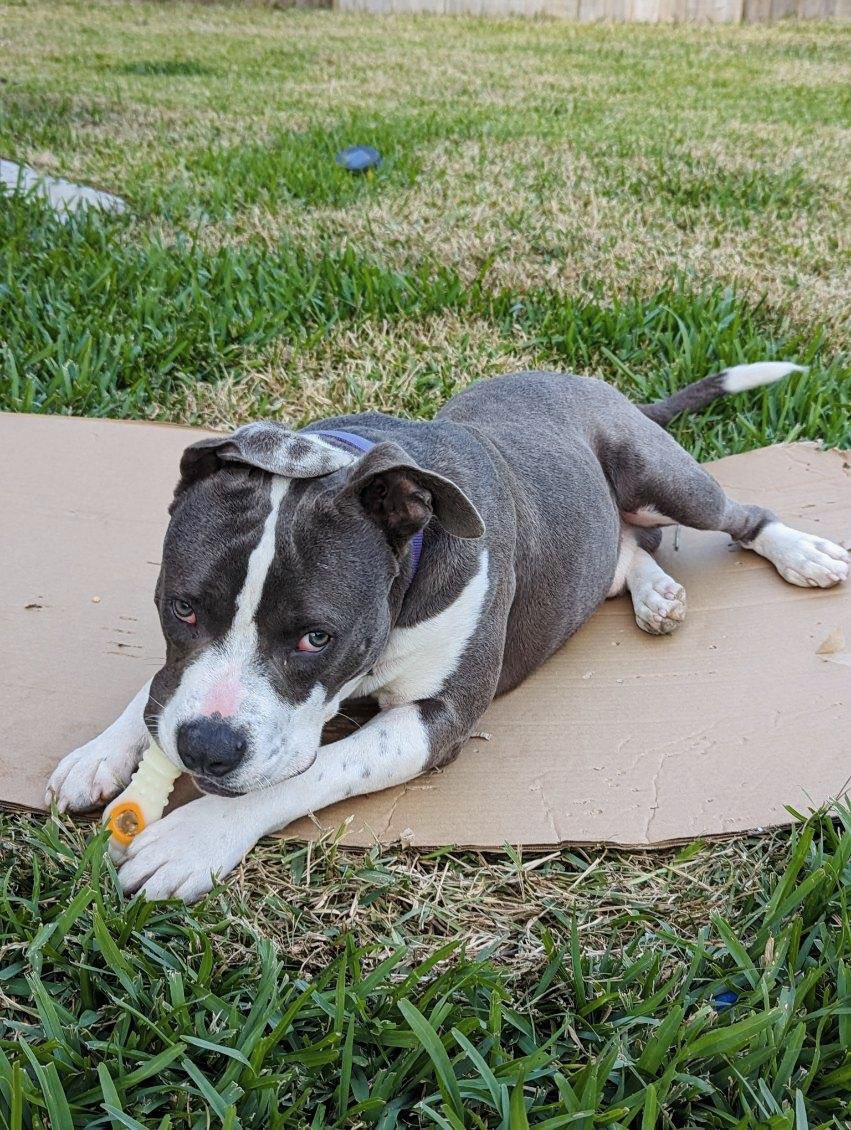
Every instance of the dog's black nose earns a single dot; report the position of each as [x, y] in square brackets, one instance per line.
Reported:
[210, 746]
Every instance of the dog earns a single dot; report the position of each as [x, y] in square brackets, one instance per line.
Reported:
[427, 565]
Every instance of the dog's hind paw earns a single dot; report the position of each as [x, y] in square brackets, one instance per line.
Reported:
[660, 605]
[802, 559]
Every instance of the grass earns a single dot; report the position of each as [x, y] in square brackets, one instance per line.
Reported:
[642, 204]
[537, 152]
[692, 989]
[159, 318]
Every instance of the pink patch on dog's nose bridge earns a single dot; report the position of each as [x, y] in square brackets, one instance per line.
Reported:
[224, 698]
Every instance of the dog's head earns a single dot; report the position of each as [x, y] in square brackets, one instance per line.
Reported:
[280, 582]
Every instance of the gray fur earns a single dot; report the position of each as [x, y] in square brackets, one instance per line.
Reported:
[287, 585]
[268, 446]
[538, 467]
[689, 399]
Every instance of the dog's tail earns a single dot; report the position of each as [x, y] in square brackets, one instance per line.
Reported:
[737, 379]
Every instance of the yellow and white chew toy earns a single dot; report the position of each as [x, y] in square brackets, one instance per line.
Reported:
[144, 799]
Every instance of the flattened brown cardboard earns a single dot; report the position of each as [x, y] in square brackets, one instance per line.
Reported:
[620, 738]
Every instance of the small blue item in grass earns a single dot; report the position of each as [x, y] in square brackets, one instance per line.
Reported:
[358, 158]
[725, 1000]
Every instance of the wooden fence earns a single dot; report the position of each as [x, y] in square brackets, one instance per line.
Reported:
[620, 11]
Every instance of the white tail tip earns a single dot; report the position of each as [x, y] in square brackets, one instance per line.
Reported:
[741, 377]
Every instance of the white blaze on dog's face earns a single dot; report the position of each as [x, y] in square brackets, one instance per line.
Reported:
[227, 707]
[276, 597]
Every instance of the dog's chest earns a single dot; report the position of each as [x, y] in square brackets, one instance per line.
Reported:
[419, 660]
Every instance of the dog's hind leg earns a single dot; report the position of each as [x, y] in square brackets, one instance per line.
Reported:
[657, 483]
[659, 601]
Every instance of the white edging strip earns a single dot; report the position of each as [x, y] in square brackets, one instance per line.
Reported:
[63, 195]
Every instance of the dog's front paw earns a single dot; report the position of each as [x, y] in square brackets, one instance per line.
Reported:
[183, 854]
[93, 774]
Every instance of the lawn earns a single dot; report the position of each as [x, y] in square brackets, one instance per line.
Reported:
[642, 204]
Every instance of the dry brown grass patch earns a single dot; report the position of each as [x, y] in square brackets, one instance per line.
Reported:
[400, 367]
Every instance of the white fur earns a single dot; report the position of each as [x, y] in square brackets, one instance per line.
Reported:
[802, 559]
[738, 378]
[647, 516]
[282, 736]
[419, 660]
[626, 554]
[179, 855]
[235, 658]
[97, 771]
[659, 601]
[259, 564]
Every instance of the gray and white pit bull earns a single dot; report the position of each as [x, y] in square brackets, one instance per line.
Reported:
[431, 566]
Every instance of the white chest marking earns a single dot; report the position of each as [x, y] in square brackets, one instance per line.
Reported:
[419, 660]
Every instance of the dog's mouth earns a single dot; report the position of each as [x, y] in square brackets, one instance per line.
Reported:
[208, 786]
[217, 789]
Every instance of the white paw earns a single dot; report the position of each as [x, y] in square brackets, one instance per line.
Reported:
[802, 559]
[93, 774]
[181, 855]
[660, 605]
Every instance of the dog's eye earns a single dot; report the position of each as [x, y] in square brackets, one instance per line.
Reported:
[314, 641]
[184, 611]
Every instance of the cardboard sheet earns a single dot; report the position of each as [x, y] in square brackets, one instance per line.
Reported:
[621, 738]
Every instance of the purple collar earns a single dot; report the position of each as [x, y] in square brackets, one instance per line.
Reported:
[364, 445]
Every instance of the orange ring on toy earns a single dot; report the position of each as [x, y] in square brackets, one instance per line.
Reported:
[126, 821]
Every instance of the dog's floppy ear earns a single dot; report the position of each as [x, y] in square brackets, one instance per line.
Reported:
[270, 446]
[402, 497]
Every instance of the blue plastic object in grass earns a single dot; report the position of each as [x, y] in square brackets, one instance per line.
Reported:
[725, 1000]
[358, 158]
